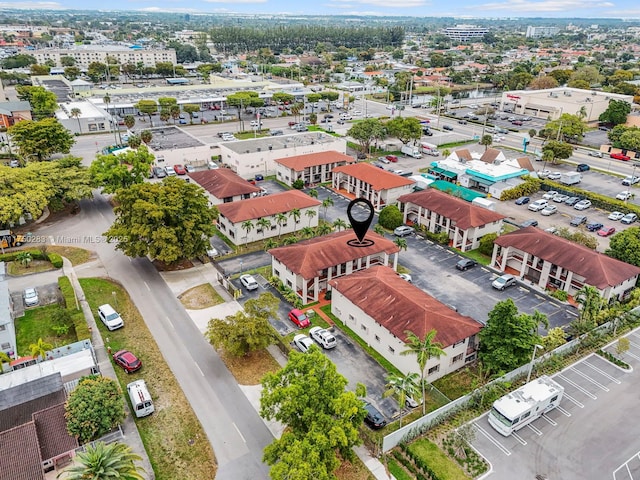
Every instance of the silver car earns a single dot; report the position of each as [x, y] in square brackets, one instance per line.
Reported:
[31, 297]
[403, 231]
[504, 281]
[249, 282]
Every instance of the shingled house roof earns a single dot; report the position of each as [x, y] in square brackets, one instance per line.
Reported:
[490, 155]
[53, 436]
[377, 178]
[223, 183]
[20, 454]
[463, 213]
[525, 162]
[299, 162]
[254, 208]
[399, 306]
[597, 269]
[309, 257]
[464, 154]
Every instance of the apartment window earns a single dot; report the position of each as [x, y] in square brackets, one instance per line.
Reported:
[456, 359]
[392, 350]
[276, 273]
[351, 317]
[273, 227]
[289, 284]
[377, 338]
[363, 327]
[5, 346]
[461, 342]
[433, 369]
[3, 328]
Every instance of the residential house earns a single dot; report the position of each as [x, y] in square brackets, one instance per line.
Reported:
[7, 326]
[362, 180]
[380, 307]
[223, 185]
[307, 267]
[12, 112]
[276, 209]
[438, 212]
[549, 261]
[311, 168]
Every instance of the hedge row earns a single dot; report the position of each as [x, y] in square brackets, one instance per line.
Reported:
[597, 200]
[77, 316]
[529, 187]
[54, 258]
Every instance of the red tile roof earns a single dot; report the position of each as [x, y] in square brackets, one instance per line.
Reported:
[399, 306]
[308, 257]
[379, 179]
[53, 436]
[597, 269]
[223, 183]
[463, 213]
[20, 454]
[300, 162]
[254, 208]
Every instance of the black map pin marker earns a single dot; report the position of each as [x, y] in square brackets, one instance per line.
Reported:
[360, 221]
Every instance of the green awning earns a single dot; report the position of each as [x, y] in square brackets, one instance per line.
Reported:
[443, 172]
[482, 181]
[456, 190]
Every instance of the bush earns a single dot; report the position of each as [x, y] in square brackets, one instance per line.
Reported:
[55, 259]
[529, 187]
[298, 184]
[11, 256]
[486, 244]
[559, 294]
[390, 217]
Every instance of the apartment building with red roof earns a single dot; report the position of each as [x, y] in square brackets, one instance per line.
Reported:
[362, 180]
[439, 212]
[269, 216]
[550, 261]
[380, 307]
[223, 185]
[307, 267]
[311, 168]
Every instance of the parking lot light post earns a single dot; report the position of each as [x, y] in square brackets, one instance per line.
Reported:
[533, 357]
[240, 266]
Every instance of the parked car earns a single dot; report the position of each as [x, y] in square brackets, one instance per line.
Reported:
[630, 180]
[111, 319]
[302, 343]
[551, 230]
[517, 123]
[504, 281]
[127, 360]
[159, 172]
[616, 216]
[374, 418]
[190, 168]
[549, 210]
[324, 337]
[583, 167]
[620, 156]
[572, 201]
[179, 169]
[30, 296]
[543, 173]
[249, 282]
[629, 218]
[403, 231]
[538, 205]
[582, 205]
[449, 128]
[529, 223]
[275, 133]
[169, 171]
[384, 160]
[555, 176]
[406, 277]
[606, 231]
[550, 194]
[299, 318]
[560, 197]
[212, 165]
[578, 220]
[392, 158]
[466, 264]
[624, 195]
[594, 226]
[522, 200]
[595, 153]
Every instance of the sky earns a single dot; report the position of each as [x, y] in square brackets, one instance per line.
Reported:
[422, 8]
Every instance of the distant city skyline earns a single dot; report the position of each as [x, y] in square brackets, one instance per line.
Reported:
[463, 10]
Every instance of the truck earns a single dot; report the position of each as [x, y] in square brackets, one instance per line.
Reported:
[524, 405]
[141, 401]
[9, 239]
[430, 149]
[411, 151]
[570, 178]
[484, 203]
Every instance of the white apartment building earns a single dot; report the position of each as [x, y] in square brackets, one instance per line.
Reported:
[465, 33]
[86, 54]
[540, 32]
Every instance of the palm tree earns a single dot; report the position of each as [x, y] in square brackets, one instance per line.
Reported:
[248, 226]
[323, 229]
[402, 386]
[175, 113]
[38, 350]
[134, 141]
[313, 193]
[307, 232]
[379, 229]
[340, 224]
[75, 113]
[105, 462]
[326, 203]
[129, 121]
[295, 214]
[401, 243]
[165, 115]
[310, 213]
[280, 219]
[591, 303]
[146, 136]
[24, 258]
[423, 350]
[269, 244]
[263, 224]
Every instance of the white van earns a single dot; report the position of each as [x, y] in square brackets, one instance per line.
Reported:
[140, 398]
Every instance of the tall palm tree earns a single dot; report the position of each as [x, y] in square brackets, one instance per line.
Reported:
[326, 203]
[310, 213]
[105, 462]
[401, 243]
[38, 350]
[165, 115]
[591, 303]
[423, 350]
[313, 193]
[75, 113]
[402, 386]
[340, 224]
[307, 232]
[263, 224]
[247, 225]
[146, 136]
[129, 121]
[281, 218]
[269, 244]
[295, 214]
[323, 229]
[175, 113]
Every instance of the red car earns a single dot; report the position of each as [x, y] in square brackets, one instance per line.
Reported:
[392, 158]
[127, 360]
[606, 231]
[299, 318]
[620, 156]
[180, 170]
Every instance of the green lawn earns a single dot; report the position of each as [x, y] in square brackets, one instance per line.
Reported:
[37, 323]
[481, 258]
[442, 466]
[397, 471]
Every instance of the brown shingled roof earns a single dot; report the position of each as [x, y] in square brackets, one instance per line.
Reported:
[254, 208]
[464, 213]
[399, 306]
[223, 183]
[377, 178]
[464, 153]
[525, 162]
[300, 162]
[20, 454]
[53, 436]
[598, 269]
[308, 257]
[490, 155]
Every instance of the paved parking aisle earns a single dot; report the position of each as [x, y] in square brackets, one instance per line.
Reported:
[591, 435]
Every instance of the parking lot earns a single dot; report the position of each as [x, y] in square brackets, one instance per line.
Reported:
[591, 435]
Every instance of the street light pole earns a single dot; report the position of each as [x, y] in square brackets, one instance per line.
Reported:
[533, 357]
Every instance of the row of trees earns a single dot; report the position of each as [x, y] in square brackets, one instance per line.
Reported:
[372, 130]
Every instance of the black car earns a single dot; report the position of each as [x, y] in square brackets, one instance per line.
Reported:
[259, 177]
[362, 156]
[594, 226]
[465, 264]
[522, 200]
[582, 167]
[374, 418]
[529, 223]
[447, 127]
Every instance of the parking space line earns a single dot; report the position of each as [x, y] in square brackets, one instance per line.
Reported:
[626, 465]
[601, 372]
[571, 399]
[634, 344]
[550, 420]
[535, 430]
[492, 439]
[519, 438]
[633, 355]
[540, 297]
[583, 390]
[589, 379]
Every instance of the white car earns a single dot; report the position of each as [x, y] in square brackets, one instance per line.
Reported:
[582, 205]
[624, 195]
[544, 173]
[170, 171]
[324, 337]
[31, 297]
[212, 252]
[615, 216]
[549, 195]
[407, 277]
[256, 123]
[249, 282]
[403, 231]
[549, 210]
[554, 176]
[595, 153]
[111, 319]
[538, 205]
[302, 343]
[212, 165]
[629, 180]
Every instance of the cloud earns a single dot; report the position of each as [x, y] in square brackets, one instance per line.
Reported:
[377, 3]
[545, 5]
[236, 1]
[32, 5]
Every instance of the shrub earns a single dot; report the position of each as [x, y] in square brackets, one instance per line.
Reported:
[529, 187]
[613, 359]
[390, 217]
[298, 184]
[11, 256]
[559, 294]
[486, 244]
[55, 259]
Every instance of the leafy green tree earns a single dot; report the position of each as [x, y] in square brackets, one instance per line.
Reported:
[247, 330]
[585, 77]
[105, 462]
[40, 348]
[625, 246]
[630, 140]
[129, 121]
[402, 386]
[544, 82]
[243, 100]
[487, 141]
[146, 136]
[24, 258]
[508, 338]
[405, 129]
[115, 171]
[190, 109]
[309, 396]
[424, 349]
[148, 108]
[366, 132]
[555, 337]
[616, 113]
[313, 118]
[37, 70]
[167, 221]
[4, 358]
[567, 127]
[72, 73]
[94, 408]
[562, 76]
[591, 302]
[557, 150]
[282, 97]
[486, 244]
[40, 139]
[20, 60]
[43, 102]
[390, 217]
